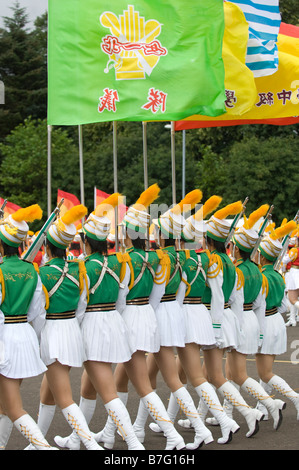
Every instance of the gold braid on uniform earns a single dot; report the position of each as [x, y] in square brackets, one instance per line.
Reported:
[165, 264]
[215, 259]
[241, 280]
[36, 267]
[2, 285]
[83, 278]
[265, 285]
[125, 258]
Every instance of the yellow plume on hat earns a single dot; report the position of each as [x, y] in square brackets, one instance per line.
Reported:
[147, 197]
[283, 230]
[209, 206]
[231, 209]
[255, 216]
[74, 214]
[106, 205]
[28, 214]
[190, 200]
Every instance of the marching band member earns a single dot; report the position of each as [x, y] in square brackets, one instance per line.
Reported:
[223, 286]
[142, 269]
[274, 338]
[61, 338]
[251, 316]
[105, 335]
[21, 303]
[291, 260]
[173, 331]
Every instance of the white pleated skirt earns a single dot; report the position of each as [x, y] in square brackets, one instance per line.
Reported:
[106, 337]
[143, 327]
[199, 328]
[250, 334]
[61, 340]
[171, 324]
[230, 331]
[292, 281]
[275, 335]
[20, 356]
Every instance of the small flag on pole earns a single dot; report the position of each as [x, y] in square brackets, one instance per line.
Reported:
[70, 200]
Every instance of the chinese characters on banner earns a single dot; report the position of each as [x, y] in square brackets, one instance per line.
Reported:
[136, 61]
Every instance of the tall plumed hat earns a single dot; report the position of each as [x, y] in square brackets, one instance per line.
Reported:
[98, 224]
[271, 245]
[217, 226]
[137, 217]
[14, 229]
[195, 226]
[172, 221]
[245, 237]
[62, 232]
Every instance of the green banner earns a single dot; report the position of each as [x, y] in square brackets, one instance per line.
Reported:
[149, 60]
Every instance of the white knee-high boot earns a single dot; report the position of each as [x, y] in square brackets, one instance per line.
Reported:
[210, 399]
[252, 415]
[107, 434]
[278, 384]
[158, 412]
[172, 411]
[119, 414]
[29, 428]
[77, 421]
[293, 316]
[44, 420]
[73, 441]
[274, 407]
[202, 433]
[5, 431]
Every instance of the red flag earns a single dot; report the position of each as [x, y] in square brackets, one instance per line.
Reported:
[70, 200]
[99, 196]
[10, 208]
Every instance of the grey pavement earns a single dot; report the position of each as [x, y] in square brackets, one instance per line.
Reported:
[285, 438]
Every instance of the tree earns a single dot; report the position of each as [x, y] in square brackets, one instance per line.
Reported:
[23, 70]
[264, 170]
[23, 174]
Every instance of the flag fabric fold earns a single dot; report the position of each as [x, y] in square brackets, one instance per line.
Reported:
[277, 100]
[145, 60]
[264, 20]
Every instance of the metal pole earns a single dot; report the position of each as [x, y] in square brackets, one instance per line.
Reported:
[144, 128]
[115, 180]
[49, 171]
[81, 164]
[144, 134]
[184, 165]
[173, 163]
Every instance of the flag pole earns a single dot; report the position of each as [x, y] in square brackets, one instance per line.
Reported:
[145, 172]
[115, 180]
[173, 163]
[184, 164]
[81, 164]
[49, 174]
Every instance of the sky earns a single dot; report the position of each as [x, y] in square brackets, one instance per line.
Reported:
[34, 8]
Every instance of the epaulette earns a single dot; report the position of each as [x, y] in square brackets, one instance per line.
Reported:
[83, 278]
[215, 259]
[265, 285]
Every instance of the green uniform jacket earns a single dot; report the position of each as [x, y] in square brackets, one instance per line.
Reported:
[174, 256]
[253, 280]
[276, 287]
[144, 286]
[108, 290]
[20, 281]
[229, 278]
[190, 268]
[67, 296]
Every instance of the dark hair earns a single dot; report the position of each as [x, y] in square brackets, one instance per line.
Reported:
[245, 255]
[218, 246]
[137, 238]
[169, 241]
[55, 251]
[10, 250]
[97, 246]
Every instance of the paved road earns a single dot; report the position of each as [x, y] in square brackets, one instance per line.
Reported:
[286, 438]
